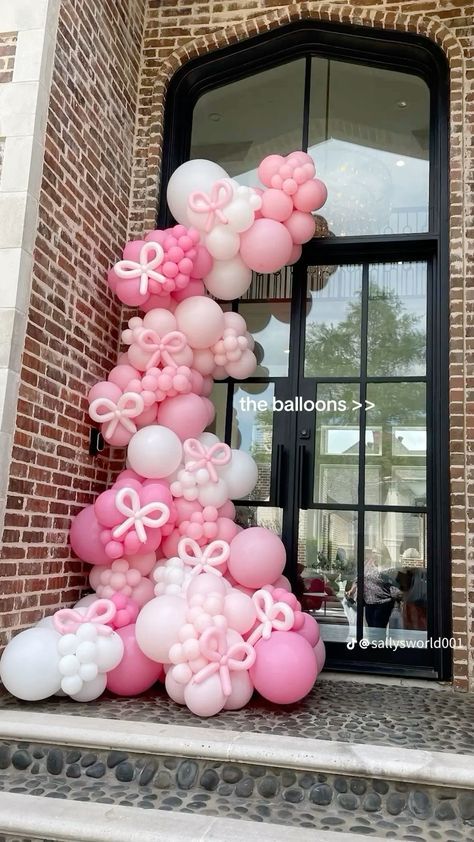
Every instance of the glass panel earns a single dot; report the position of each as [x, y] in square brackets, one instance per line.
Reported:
[252, 430]
[332, 345]
[218, 397]
[397, 476]
[266, 309]
[395, 579]
[369, 137]
[397, 311]
[267, 516]
[327, 542]
[336, 475]
[237, 125]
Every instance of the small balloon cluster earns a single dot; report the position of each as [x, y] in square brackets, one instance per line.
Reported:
[181, 592]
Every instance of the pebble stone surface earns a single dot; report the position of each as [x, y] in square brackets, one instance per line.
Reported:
[391, 810]
[346, 711]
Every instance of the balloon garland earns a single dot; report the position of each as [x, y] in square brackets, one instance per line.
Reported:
[182, 592]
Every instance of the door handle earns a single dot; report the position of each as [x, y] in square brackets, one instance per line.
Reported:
[278, 481]
[301, 479]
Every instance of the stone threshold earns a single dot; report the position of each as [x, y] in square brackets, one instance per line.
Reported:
[433, 768]
[70, 821]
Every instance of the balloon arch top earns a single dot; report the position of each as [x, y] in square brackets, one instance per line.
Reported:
[181, 593]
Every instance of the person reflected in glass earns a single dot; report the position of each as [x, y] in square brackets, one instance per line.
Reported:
[381, 592]
[414, 605]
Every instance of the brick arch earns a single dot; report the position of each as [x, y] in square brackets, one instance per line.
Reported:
[143, 210]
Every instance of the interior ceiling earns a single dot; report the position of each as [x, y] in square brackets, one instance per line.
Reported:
[371, 107]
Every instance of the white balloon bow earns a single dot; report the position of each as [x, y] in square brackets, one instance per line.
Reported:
[273, 615]
[203, 559]
[127, 501]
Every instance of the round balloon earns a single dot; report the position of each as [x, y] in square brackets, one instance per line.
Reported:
[84, 537]
[201, 319]
[154, 452]
[135, 673]
[285, 667]
[257, 557]
[29, 666]
[197, 175]
[158, 624]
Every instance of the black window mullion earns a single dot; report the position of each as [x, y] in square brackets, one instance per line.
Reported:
[306, 103]
[362, 427]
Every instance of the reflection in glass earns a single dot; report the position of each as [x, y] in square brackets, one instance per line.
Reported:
[252, 431]
[239, 124]
[336, 475]
[333, 321]
[327, 566]
[369, 137]
[396, 338]
[218, 397]
[400, 414]
[395, 576]
[269, 517]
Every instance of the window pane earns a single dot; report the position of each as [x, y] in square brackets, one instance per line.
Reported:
[237, 125]
[369, 137]
[267, 516]
[396, 341]
[395, 577]
[327, 567]
[266, 309]
[332, 346]
[252, 430]
[397, 475]
[336, 474]
[218, 397]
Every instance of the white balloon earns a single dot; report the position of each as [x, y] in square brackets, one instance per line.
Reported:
[174, 689]
[155, 452]
[214, 494]
[29, 665]
[91, 689]
[198, 174]
[242, 690]
[88, 600]
[109, 651]
[240, 474]
[46, 623]
[228, 279]
[222, 243]
[208, 439]
[239, 214]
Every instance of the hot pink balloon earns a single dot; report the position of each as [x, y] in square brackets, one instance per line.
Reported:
[310, 196]
[85, 537]
[257, 557]
[186, 415]
[301, 227]
[227, 510]
[266, 246]
[285, 668]
[202, 263]
[135, 673]
[310, 629]
[320, 654]
[195, 287]
[169, 545]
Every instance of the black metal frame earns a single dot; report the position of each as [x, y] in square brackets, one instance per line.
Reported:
[405, 53]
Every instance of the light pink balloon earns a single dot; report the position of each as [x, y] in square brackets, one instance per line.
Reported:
[320, 654]
[186, 415]
[310, 196]
[104, 389]
[206, 583]
[257, 557]
[85, 537]
[204, 361]
[276, 205]
[154, 301]
[106, 510]
[158, 625]
[282, 582]
[243, 368]
[194, 288]
[269, 167]
[121, 376]
[239, 611]
[295, 254]
[285, 668]
[266, 246]
[206, 698]
[135, 673]
[169, 545]
[310, 629]
[174, 689]
[202, 263]
[201, 319]
[242, 690]
[301, 227]
[226, 529]
[143, 563]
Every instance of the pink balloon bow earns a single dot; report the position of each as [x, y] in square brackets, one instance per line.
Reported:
[220, 196]
[223, 659]
[161, 347]
[203, 559]
[101, 612]
[151, 255]
[127, 501]
[273, 615]
[200, 456]
[128, 406]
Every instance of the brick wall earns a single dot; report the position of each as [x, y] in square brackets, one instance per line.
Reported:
[177, 30]
[73, 323]
[7, 55]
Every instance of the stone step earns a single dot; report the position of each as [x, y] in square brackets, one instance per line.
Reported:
[214, 774]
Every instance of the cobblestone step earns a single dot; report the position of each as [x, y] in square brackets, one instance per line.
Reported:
[210, 775]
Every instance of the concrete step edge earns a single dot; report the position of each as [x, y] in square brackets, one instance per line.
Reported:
[76, 821]
[357, 759]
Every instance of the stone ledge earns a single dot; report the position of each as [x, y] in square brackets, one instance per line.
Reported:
[356, 759]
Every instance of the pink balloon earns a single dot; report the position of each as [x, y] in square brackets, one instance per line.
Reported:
[301, 227]
[242, 690]
[158, 625]
[206, 698]
[201, 319]
[227, 510]
[122, 375]
[266, 246]
[202, 263]
[186, 508]
[154, 301]
[310, 196]
[186, 415]
[104, 389]
[295, 254]
[85, 537]
[226, 529]
[169, 545]
[276, 205]
[269, 167]
[206, 583]
[143, 563]
[174, 689]
[195, 287]
[310, 629]
[320, 654]
[105, 509]
[204, 361]
[282, 582]
[135, 673]
[239, 611]
[285, 668]
[243, 368]
[257, 557]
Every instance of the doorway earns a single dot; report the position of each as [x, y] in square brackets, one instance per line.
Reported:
[338, 417]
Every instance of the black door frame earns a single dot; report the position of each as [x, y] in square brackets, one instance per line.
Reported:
[403, 52]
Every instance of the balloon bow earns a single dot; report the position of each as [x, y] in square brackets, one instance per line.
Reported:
[199, 456]
[162, 348]
[128, 406]
[223, 659]
[203, 559]
[151, 256]
[273, 615]
[127, 501]
[101, 612]
[221, 195]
